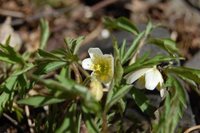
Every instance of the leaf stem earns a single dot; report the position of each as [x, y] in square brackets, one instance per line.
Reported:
[104, 125]
[77, 73]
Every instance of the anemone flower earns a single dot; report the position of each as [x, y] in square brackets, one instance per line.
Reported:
[149, 78]
[101, 64]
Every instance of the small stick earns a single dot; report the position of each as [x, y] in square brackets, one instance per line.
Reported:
[197, 127]
[102, 4]
[30, 124]
[10, 119]
[11, 13]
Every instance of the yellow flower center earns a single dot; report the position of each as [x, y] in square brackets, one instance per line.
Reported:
[102, 68]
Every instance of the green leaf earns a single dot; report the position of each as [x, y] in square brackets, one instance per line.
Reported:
[133, 48]
[149, 62]
[122, 106]
[118, 71]
[174, 106]
[70, 89]
[7, 94]
[167, 44]
[23, 84]
[45, 67]
[9, 55]
[142, 101]
[74, 44]
[89, 121]
[149, 28]
[121, 23]
[122, 50]
[44, 29]
[117, 95]
[4, 98]
[24, 70]
[71, 122]
[79, 123]
[48, 55]
[38, 101]
[189, 73]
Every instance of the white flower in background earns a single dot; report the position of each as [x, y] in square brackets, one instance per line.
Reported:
[96, 89]
[101, 64]
[6, 30]
[149, 78]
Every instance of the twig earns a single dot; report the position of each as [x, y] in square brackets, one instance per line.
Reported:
[30, 124]
[40, 15]
[93, 34]
[197, 127]
[12, 13]
[10, 119]
[102, 4]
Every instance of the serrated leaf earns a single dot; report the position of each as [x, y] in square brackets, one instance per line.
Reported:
[44, 29]
[118, 71]
[74, 44]
[133, 48]
[39, 101]
[9, 55]
[149, 62]
[174, 106]
[121, 23]
[189, 73]
[167, 44]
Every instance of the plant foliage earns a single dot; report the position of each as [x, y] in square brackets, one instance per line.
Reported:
[56, 79]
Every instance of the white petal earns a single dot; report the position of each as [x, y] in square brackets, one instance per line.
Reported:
[152, 78]
[132, 77]
[163, 92]
[93, 51]
[87, 64]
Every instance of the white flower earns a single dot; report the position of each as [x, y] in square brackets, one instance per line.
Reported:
[101, 64]
[148, 78]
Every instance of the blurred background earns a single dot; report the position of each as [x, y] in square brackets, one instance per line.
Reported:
[72, 18]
